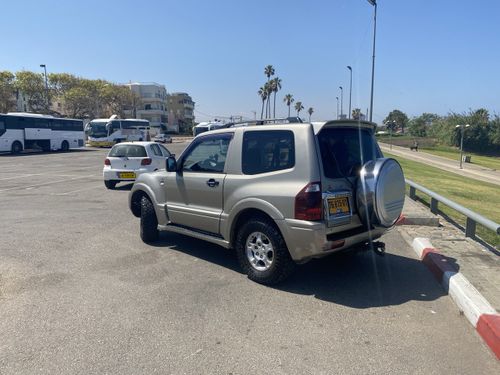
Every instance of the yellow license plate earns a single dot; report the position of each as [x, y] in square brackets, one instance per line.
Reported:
[126, 175]
[338, 206]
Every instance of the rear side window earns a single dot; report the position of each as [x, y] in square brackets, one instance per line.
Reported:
[267, 151]
[156, 150]
[130, 151]
[345, 150]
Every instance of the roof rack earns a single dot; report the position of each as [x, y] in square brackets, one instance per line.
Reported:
[267, 121]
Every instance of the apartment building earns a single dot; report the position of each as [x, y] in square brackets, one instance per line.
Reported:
[152, 105]
[181, 111]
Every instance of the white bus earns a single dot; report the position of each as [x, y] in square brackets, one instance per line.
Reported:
[207, 126]
[107, 132]
[19, 131]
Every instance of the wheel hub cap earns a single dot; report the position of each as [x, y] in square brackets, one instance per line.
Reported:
[259, 251]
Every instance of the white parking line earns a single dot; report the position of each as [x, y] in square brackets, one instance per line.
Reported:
[29, 187]
[21, 176]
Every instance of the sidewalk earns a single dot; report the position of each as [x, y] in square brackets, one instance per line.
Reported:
[468, 271]
[469, 170]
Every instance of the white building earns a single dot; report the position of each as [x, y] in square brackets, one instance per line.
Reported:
[152, 105]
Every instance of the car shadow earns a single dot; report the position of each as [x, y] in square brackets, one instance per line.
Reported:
[40, 152]
[124, 186]
[354, 279]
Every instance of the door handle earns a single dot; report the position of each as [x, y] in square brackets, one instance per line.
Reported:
[212, 183]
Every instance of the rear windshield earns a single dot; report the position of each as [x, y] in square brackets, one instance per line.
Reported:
[345, 150]
[130, 151]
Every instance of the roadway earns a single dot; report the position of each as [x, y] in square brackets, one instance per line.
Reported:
[469, 170]
[80, 293]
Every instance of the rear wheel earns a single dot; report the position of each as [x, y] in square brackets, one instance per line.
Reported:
[262, 252]
[17, 147]
[64, 146]
[149, 222]
[110, 184]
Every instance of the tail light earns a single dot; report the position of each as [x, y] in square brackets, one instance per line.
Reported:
[146, 161]
[107, 161]
[309, 203]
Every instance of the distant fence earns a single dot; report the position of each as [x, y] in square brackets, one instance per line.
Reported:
[471, 217]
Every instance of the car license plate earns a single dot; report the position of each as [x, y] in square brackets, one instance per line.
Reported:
[126, 175]
[338, 206]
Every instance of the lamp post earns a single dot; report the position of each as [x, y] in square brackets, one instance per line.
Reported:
[462, 129]
[341, 102]
[46, 85]
[350, 90]
[337, 106]
[374, 3]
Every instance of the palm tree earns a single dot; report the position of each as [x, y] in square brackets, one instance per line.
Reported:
[310, 111]
[298, 107]
[356, 114]
[276, 87]
[263, 95]
[288, 99]
[268, 88]
[268, 71]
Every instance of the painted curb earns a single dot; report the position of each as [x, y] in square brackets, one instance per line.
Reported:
[475, 307]
[418, 220]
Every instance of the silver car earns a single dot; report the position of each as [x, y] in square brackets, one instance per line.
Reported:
[279, 194]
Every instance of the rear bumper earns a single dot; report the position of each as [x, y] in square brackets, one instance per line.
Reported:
[307, 239]
[112, 174]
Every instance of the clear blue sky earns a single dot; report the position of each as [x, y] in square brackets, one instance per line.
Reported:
[432, 55]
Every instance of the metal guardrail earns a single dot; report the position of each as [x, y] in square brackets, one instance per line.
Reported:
[472, 217]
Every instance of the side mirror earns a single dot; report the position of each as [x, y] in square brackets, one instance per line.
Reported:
[171, 164]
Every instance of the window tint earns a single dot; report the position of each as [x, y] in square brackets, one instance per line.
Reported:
[156, 150]
[164, 150]
[2, 125]
[267, 151]
[209, 155]
[130, 151]
[344, 151]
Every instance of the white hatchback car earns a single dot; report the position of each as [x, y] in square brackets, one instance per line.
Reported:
[127, 160]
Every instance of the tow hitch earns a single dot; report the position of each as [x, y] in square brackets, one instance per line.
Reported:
[379, 247]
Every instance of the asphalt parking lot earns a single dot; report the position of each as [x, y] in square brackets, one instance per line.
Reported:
[80, 293]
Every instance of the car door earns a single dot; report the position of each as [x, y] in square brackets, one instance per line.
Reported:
[158, 160]
[195, 192]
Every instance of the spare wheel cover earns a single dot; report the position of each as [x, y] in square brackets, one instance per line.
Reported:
[380, 193]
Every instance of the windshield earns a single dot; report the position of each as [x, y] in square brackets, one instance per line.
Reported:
[130, 151]
[345, 150]
[97, 129]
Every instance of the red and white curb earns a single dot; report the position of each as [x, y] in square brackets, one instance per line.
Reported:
[475, 307]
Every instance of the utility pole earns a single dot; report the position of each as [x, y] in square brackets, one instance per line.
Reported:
[46, 86]
[341, 102]
[462, 129]
[374, 3]
[350, 90]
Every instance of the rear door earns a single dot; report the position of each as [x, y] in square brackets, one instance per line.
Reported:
[157, 156]
[195, 192]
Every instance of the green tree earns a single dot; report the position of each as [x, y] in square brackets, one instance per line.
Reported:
[310, 112]
[32, 86]
[298, 107]
[288, 99]
[276, 86]
[399, 118]
[263, 96]
[418, 126]
[7, 92]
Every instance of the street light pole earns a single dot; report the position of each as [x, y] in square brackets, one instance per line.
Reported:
[337, 106]
[374, 3]
[46, 85]
[341, 102]
[462, 129]
[350, 90]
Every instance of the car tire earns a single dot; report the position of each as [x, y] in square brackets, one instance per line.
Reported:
[149, 222]
[264, 235]
[110, 184]
[16, 148]
[64, 146]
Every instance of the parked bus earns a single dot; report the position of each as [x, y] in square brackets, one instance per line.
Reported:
[20, 131]
[207, 126]
[107, 132]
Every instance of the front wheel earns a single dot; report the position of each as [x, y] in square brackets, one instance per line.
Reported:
[64, 146]
[262, 252]
[110, 184]
[149, 222]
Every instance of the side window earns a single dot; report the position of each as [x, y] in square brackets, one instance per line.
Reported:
[115, 125]
[267, 151]
[166, 153]
[2, 125]
[156, 150]
[208, 155]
